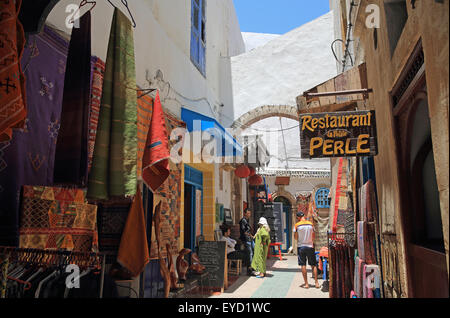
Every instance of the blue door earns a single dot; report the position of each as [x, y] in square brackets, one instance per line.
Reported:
[193, 206]
[287, 227]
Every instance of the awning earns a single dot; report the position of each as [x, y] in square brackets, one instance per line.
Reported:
[227, 146]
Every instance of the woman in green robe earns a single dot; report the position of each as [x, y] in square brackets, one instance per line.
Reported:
[262, 241]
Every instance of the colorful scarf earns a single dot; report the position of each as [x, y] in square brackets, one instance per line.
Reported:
[71, 160]
[113, 170]
[28, 159]
[12, 82]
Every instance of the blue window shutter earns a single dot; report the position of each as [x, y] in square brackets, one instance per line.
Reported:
[322, 198]
[197, 29]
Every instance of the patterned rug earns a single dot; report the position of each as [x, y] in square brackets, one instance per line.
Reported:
[56, 218]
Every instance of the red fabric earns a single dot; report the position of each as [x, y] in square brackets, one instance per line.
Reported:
[12, 80]
[338, 189]
[156, 154]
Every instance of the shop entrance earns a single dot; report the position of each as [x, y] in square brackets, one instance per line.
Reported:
[421, 211]
[193, 207]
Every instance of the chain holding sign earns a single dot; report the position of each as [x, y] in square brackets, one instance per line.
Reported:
[338, 134]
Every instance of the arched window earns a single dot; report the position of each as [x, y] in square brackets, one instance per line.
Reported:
[322, 200]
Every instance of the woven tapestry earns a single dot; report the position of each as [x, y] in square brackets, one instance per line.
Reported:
[56, 218]
[170, 192]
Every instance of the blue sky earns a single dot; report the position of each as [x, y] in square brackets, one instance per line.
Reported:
[277, 16]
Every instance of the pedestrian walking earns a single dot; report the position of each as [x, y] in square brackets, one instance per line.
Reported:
[304, 234]
[262, 241]
[246, 238]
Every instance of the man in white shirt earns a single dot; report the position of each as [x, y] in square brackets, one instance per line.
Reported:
[231, 243]
[304, 234]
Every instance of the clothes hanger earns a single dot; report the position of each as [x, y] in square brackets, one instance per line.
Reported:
[125, 3]
[83, 3]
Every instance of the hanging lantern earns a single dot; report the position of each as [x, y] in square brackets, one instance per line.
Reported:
[255, 180]
[242, 171]
[252, 171]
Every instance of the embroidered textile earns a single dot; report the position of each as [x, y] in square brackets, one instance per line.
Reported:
[56, 218]
[12, 82]
[28, 159]
[113, 171]
[71, 159]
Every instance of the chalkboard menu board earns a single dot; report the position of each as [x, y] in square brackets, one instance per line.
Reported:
[277, 222]
[212, 256]
[266, 210]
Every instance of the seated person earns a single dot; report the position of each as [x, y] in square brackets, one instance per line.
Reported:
[231, 243]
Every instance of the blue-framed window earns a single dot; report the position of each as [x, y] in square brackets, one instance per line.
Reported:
[198, 36]
[322, 200]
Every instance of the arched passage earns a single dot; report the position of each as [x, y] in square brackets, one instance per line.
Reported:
[264, 112]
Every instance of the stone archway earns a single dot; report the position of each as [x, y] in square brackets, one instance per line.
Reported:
[264, 112]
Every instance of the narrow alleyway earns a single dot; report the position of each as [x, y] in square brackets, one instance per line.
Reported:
[283, 280]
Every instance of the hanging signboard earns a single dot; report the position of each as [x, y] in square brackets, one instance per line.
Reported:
[339, 134]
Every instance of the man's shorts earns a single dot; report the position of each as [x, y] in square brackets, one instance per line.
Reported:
[304, 253]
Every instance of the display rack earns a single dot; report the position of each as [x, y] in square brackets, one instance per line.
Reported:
[84, 260]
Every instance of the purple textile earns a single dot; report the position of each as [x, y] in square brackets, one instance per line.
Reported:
[28, 159]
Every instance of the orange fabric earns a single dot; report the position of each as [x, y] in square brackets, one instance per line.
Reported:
[323, 252]
[133, 250]
[156, 154]
[12, 80]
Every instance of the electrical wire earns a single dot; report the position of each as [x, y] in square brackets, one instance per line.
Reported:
[215, 115]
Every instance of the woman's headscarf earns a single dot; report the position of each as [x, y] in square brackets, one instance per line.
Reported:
[264, 223]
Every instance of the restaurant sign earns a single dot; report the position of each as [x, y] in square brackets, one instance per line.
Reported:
[338, 134]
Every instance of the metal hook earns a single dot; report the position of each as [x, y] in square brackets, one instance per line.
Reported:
[125, 3]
